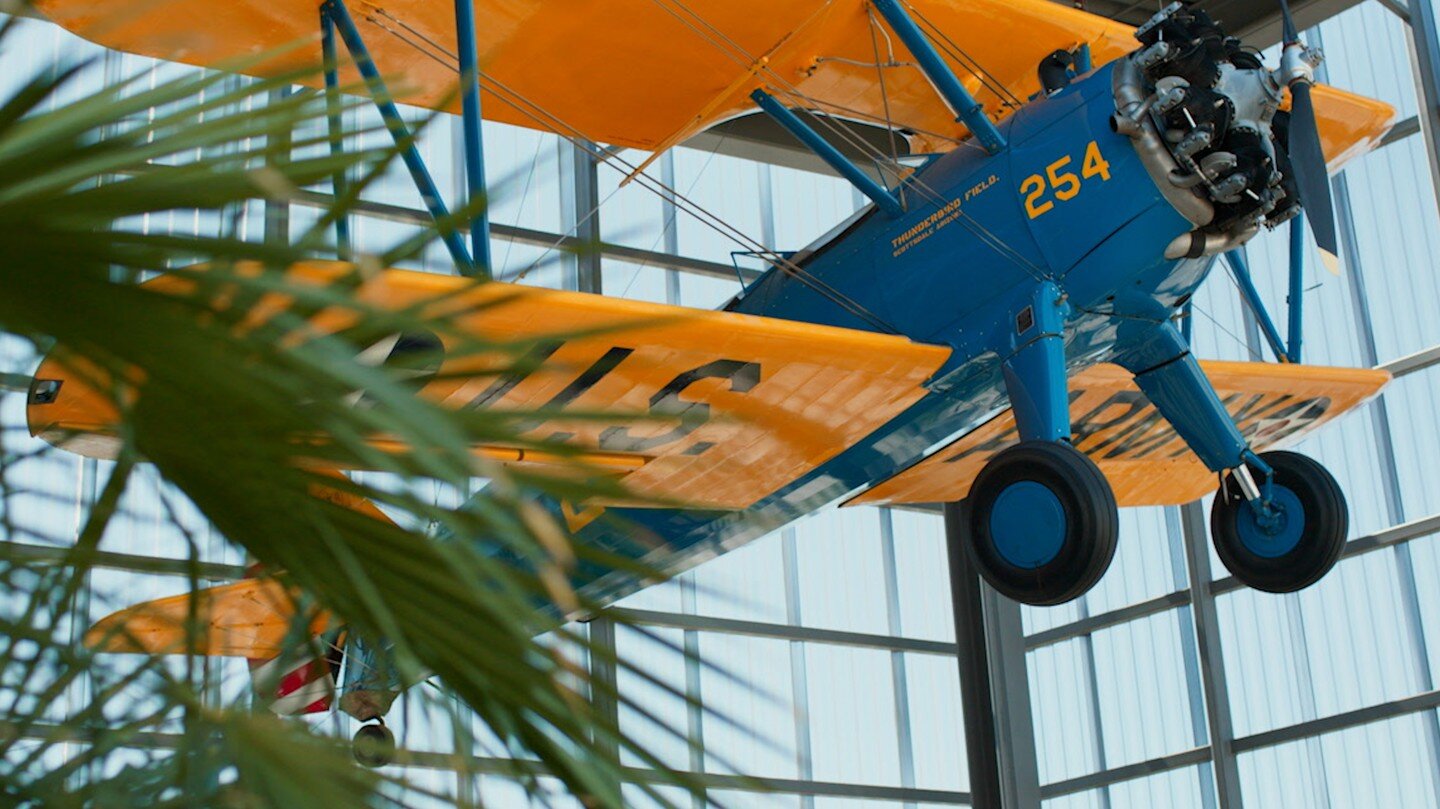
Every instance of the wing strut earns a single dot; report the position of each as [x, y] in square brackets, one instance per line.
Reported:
[857, 177]
[967, 109]
[334, 13]
[474, 143]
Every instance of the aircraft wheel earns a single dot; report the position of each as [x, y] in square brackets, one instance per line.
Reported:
[374, 745]
[1299, 544]
[1043, 523]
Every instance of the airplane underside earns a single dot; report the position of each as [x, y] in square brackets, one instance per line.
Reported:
[1001, 330]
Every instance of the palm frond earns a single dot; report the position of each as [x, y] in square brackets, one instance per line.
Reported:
[462, 595]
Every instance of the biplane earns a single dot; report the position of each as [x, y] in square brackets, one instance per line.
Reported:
[1002, 325]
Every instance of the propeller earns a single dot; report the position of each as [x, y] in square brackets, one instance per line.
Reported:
[1307, 158]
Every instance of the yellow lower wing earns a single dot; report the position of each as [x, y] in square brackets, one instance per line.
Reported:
[732, 407]
[1144, 459]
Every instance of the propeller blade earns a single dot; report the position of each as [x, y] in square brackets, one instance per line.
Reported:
[1312, 177]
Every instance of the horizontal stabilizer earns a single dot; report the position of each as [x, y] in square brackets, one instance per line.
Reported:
[254, 618]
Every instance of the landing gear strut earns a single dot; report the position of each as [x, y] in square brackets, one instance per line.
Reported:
[1041, 516]
[1288, 537]
[374, 745]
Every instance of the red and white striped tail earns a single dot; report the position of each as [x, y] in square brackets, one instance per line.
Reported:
[294, 684]
[306, 688]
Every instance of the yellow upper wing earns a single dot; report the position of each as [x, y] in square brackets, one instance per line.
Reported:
[764, 401]
[649, 73]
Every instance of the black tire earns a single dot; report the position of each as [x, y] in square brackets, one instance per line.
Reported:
[373, 746]
[1263, 561]
[1073, 551]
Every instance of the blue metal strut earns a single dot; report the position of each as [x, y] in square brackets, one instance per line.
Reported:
[1256, 305]
[474, 143]
[1296, 301]
[380, 94]
[967, 109]
[828, 153]
[340, 184]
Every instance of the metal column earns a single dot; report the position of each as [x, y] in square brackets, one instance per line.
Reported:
[900, 679]
[1189, 654]
[799, 677]
[277, 211]
[995, 692]
[1212, 658]
[694, 712]
[1425, 47]
[580, 215]
[605, 678]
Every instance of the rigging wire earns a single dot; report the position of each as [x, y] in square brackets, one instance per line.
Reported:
[884, 93]
[917, 182]
[547, 120]
[993, 241]
[1245, 344]
[986, 78]
[734, 51]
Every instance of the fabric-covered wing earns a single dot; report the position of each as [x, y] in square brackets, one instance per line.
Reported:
[650, 73]
[1144, 459]
[740, 405]
[253, 618]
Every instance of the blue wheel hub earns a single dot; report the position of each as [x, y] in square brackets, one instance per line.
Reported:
[1027, 525]
[1277, 535]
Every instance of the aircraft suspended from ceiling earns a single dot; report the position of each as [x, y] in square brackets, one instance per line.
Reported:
[1000, 326]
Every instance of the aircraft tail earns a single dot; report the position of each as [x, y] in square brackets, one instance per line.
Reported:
[300, 683]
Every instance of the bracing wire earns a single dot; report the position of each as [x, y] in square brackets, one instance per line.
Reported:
[986, 78]
[884, 93]
[734, 51]
[547, 120]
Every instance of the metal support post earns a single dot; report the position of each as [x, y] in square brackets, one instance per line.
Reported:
[586, 187]
[340, 184]
[1190, 654]
[967, 110]
[994, 689]
[799, 676]
[695, 711]
[1296, 301]
[605, 682]
[380, 94]
[474, 142]
[1241, 268]
[1425, 46]
[581, 262]
[277, 152]
[821, 147]
[900, 677]
[1212, 658]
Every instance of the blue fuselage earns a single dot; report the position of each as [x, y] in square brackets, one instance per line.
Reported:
[1069, 202]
